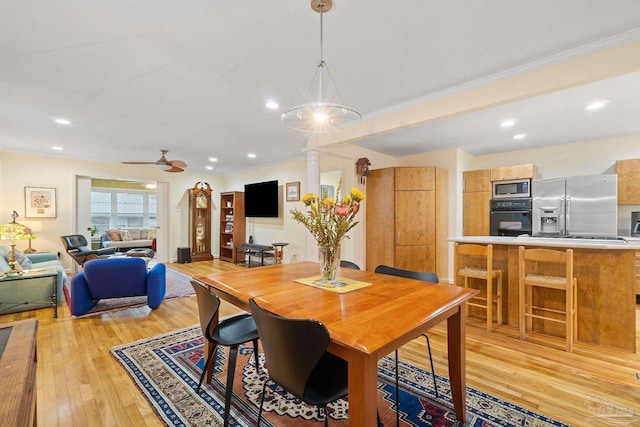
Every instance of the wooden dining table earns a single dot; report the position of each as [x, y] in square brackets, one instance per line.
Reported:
[365, 324]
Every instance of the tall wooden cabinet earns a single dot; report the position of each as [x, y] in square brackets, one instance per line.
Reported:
[407, 219]
[200, 222]
[232, 225]
[628, 181]
[476, 200]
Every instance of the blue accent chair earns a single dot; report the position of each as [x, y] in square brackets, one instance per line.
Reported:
[114, 278]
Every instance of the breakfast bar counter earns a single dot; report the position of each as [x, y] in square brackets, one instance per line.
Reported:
[605, 271]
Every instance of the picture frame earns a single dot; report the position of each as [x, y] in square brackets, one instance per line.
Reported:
[40, 202]
[293, 191]
[327, 191]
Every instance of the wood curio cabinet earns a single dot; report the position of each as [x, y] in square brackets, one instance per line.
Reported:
[232, 225]
[200, 222]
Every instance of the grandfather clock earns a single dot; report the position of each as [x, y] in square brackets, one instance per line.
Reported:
[200, 221]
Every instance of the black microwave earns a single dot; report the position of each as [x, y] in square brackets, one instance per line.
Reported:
[515, 188]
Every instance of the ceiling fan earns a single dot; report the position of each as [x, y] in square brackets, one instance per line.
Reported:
[163, 163]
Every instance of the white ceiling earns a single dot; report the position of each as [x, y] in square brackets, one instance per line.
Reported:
[192, 77]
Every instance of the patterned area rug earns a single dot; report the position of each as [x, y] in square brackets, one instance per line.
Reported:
[178, 285]
[167, 370]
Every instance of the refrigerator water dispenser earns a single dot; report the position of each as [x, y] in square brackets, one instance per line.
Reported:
[549, 221]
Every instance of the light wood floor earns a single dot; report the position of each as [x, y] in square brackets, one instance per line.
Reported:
[80, 384]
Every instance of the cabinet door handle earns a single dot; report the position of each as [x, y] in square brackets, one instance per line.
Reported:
[398, 237]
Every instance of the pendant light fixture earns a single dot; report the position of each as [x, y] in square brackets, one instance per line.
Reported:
[323, 112]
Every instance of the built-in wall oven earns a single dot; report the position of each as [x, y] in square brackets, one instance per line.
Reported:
[510, 217]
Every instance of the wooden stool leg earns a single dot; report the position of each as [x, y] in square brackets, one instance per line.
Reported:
[569, 316]
[521, 298]
[499, 297]
[466, 285]
[575, 309]
[489, 302]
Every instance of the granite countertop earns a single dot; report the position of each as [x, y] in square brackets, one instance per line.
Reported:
[629, 243]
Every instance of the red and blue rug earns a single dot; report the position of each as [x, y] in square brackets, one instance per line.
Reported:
[167, 369]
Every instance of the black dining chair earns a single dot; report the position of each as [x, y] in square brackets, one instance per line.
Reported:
[296, 358]
[425, 276]
[349, 264]
[230, 332]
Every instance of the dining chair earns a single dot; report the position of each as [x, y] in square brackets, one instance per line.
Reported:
[425, 276]
[349, 264]
[296, 357]
[230, 332]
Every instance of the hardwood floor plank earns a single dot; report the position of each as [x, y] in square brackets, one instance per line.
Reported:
[81, 384]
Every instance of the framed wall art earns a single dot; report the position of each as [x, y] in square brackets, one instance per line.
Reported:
[327, 191]
[293, 191]
[39, 202]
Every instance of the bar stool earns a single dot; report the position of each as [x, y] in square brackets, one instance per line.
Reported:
[531, 267]
[489, 298]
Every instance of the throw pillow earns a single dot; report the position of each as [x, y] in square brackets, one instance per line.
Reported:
[135, 234]
[126, 237]
[114, 235]
[21, 259]
[151, 234]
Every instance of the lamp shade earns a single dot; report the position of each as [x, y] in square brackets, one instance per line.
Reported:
[15, 231]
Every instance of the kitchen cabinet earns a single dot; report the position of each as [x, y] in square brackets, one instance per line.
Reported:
[407, 219]
[232, 225]
[514, 172]
[476, 199]
[628, 172]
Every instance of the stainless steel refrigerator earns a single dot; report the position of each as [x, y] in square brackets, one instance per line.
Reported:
[578, 206]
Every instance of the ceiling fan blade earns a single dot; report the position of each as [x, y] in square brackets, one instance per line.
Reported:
[175, 169]
[138, 163]
[177, 163]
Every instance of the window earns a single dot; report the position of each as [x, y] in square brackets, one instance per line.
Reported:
[122, 208]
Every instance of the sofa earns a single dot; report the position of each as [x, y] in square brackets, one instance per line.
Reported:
[116, 278]
[39, 295]
[128, 238]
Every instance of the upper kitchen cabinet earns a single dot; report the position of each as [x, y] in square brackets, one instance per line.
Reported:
[479, 180]
[514, 172]
[628, 181]
[476, 199]
[407, 219]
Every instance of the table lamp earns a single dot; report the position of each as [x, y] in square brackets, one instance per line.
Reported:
[14, 231]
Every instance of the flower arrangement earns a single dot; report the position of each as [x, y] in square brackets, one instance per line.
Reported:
[327, 219]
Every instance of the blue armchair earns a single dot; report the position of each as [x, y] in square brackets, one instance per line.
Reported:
[114, 278]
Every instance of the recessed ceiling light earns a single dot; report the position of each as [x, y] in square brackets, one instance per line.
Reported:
[596, 105]
[520, 136]
[62, 121]
[271, 104]
[508, 123]
[57, 148]
[209, 168]
[213, 159]
[251, 155]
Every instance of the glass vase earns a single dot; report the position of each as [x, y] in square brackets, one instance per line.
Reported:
[329, 258]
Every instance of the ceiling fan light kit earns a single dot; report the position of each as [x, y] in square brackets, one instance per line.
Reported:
[322, 114]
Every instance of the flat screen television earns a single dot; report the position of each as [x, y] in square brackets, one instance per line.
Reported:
[261, 200]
